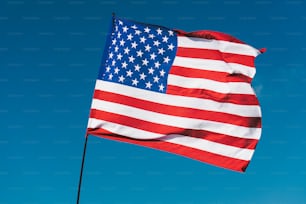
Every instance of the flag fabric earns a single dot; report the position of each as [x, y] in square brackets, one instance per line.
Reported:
[187, 93]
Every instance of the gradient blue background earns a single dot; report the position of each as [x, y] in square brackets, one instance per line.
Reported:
[50, 53]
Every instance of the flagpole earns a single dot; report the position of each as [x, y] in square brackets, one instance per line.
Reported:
[81, 171]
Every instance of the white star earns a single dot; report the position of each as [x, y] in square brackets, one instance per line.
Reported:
[135, 82]
[170, 47]
[161, 51]
[113, 62]
[119, 56]
[148, 85]
[120, 22]
[126, 50]
[161, 87]
[156, 43]
[125, 29]
[137, 32]
[134, 27]
[156, 79]
[145, 62]
[151, 70]
[162, 73]
[170, 32]
[165, 39]
[166, 59]
[143, 39]
[116, 28]
[114, 41]
[134, 45]
[151, 36]
[147, 30]
[153, 56]
[118, 34]
[131, 59]
[130, 36]
[116, 49]
[142, 76]
[148, 47]
[139, 53]
[121, 78]
[159, 31]
[110, 76]
[124, 64]
[122, 42]
[157, 64]
[110, 56]
[117, 70]
[129, 73]
[108, 68]
[137, 67]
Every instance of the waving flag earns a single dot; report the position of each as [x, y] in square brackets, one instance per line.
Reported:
[185, 93]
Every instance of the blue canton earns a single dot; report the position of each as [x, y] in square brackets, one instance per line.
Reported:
[139, 55]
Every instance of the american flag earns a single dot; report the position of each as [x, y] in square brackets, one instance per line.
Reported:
[185, 93]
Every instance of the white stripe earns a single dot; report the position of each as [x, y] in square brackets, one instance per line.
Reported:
[207, 84]
[182, 101]
[177, 121]
[122, 129]
[214, 65]
[213, 147]
[201, 144]
[242, 69]
[223, 46]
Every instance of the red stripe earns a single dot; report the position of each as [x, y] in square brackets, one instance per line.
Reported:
[179, 111]
[208, 34]
[166, 129]
[203, 156]
[135, 123]
[216, 55]
[212, 75]
[223, 139]
[240, 99]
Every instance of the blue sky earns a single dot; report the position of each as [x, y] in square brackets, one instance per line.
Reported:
[50, 51]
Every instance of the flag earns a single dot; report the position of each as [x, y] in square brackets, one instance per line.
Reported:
[187, 93]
